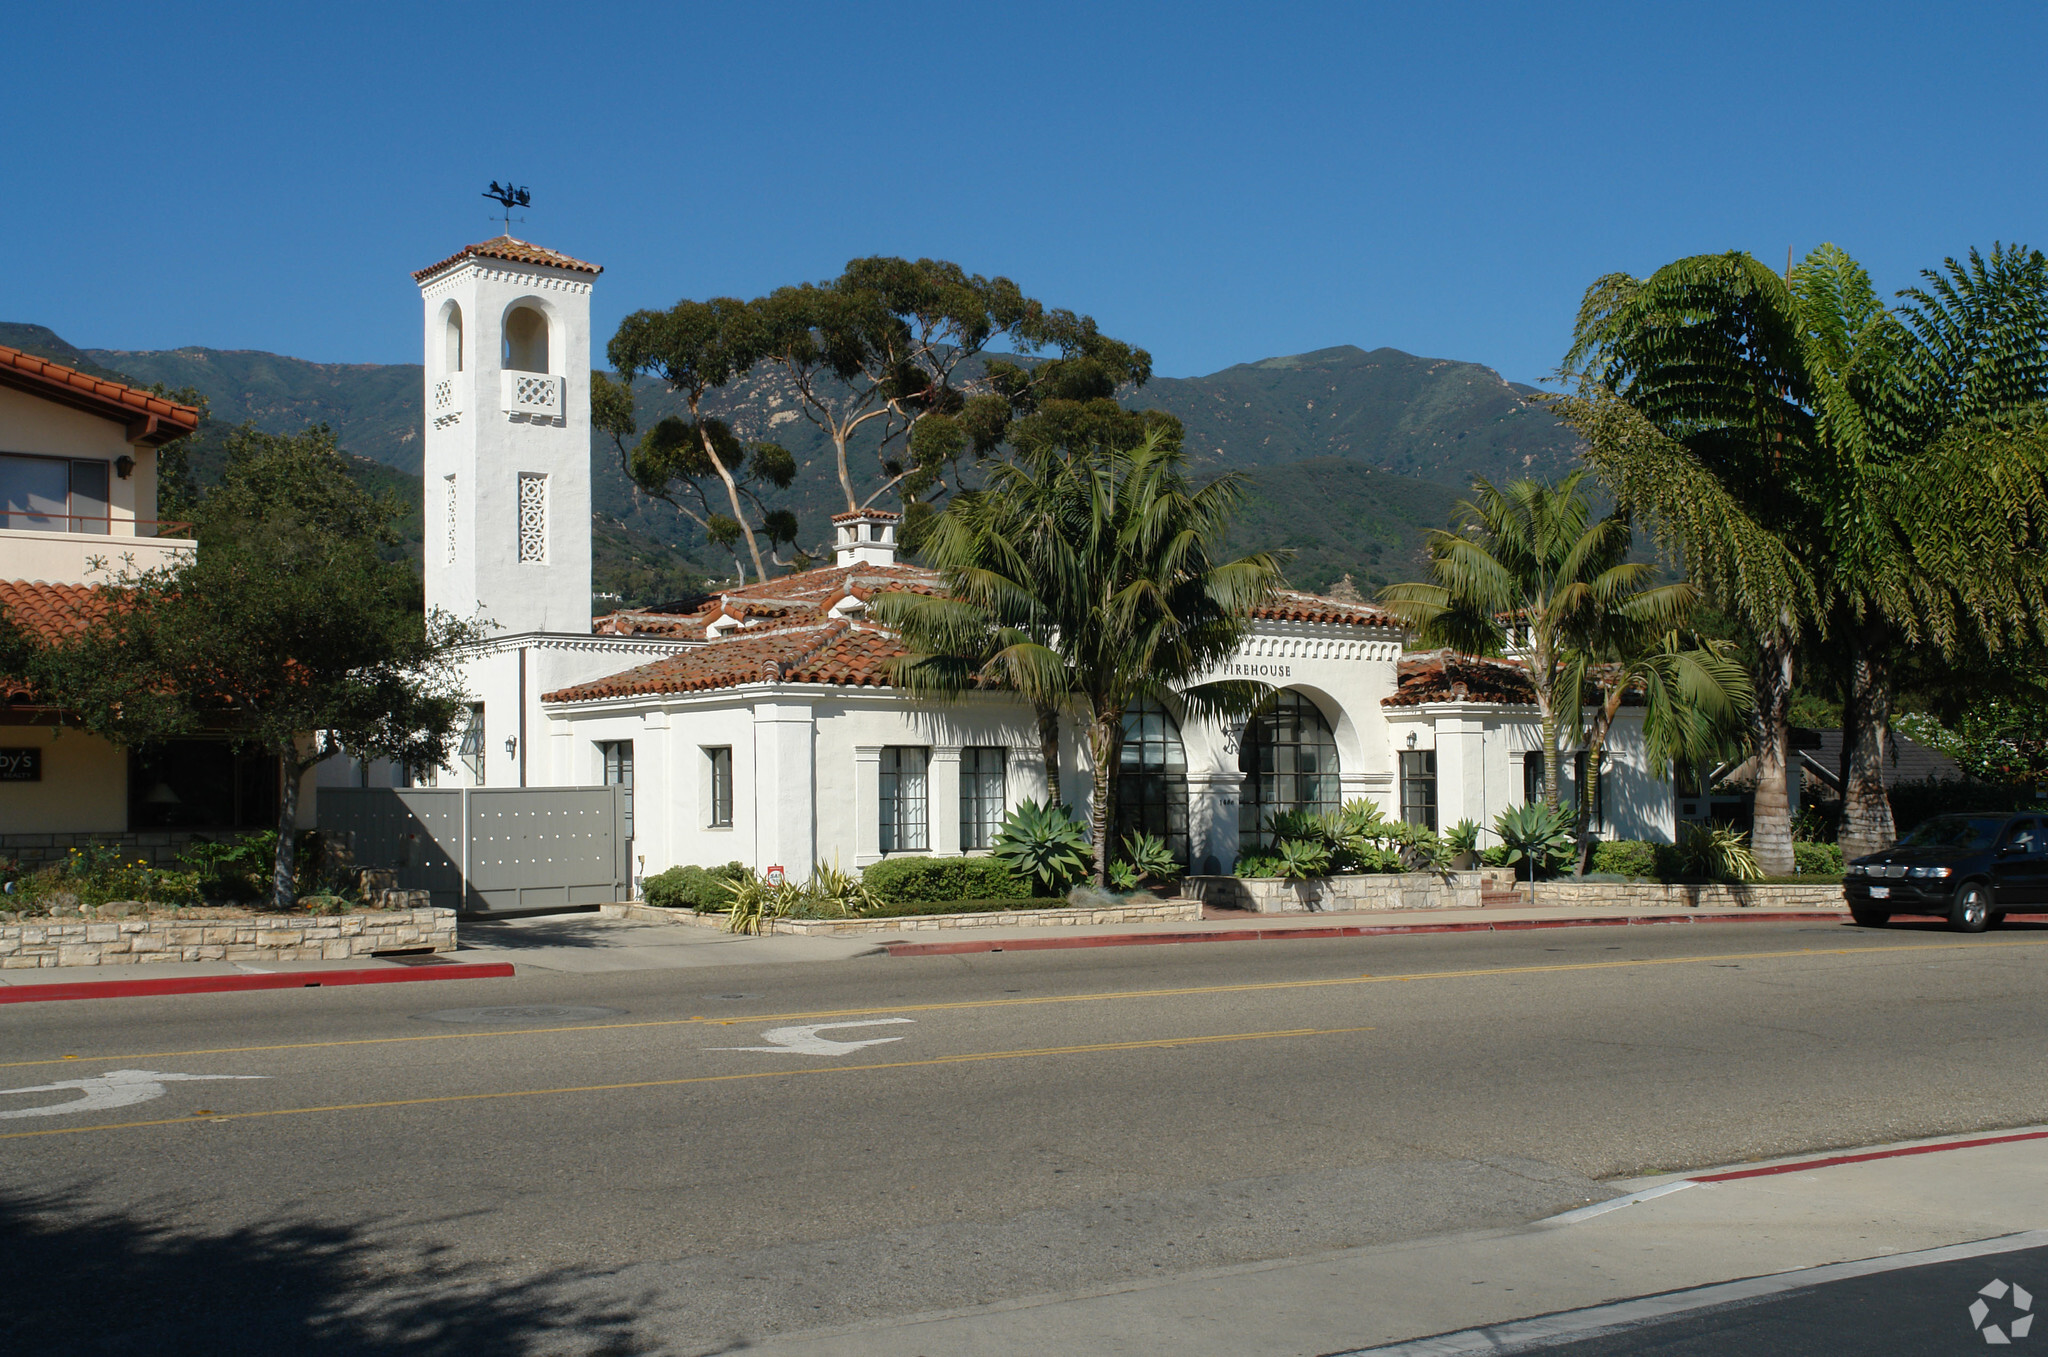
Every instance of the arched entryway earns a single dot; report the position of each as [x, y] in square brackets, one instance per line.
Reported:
[1152, 779]
[1289, 760]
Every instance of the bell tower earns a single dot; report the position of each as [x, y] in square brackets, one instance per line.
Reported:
[507, 452]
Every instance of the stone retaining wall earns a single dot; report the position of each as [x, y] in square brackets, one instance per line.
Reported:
[1658, 895]
[1332, 894]
[1162, 911]
[157, 847]
[263, 937]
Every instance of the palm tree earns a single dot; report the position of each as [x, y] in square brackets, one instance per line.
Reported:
[1527, 570]
[1089, 577]
[1828, 467]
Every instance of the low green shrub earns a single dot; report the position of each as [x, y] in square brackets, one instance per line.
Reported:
[1631, 858]
[1817, 859]
[699, 888]
[95, 875]
[895, 881]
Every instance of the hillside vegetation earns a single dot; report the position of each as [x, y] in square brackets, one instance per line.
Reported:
[1351, 455]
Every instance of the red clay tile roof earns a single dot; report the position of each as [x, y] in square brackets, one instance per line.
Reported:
[48, 612]
[890, 514]
[1290, 605]
[1446, 676]
[506, 247]
[150, 419]
[838, 653]
[787, 632]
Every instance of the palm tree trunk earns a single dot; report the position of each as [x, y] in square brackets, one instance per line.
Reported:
[1596, 745]
[1104, 749]
[1867, 823]
[1049, 750]
[1771, 819]
[285, 868]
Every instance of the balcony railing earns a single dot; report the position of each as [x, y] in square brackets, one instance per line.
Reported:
[34, 520]
[538, 394]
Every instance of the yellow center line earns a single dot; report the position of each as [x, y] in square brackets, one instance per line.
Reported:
[1156, 1043]
[1030, 1000]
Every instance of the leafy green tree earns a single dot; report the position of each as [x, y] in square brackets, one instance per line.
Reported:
[288, 634]
[1830, 467]
[893, 344]
[1528, 571]
[1123, 596]
[696, 347]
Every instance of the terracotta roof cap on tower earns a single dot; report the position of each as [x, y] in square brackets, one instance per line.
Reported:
[890, 514]
[150, 419]
[506, 247]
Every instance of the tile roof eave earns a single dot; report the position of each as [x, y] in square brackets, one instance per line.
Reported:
[148, 418]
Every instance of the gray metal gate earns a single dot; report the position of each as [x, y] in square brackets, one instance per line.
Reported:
[484, 849]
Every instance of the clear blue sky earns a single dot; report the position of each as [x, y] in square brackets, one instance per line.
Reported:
[1219, 183]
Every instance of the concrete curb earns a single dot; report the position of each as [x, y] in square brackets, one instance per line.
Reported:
[224, 984]
[1298, 933]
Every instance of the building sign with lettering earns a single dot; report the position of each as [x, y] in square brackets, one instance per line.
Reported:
[21, 765]
[1241, 669]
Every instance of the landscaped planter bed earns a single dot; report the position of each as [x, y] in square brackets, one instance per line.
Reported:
[215, 934]
[1684, 895]
[1338, 894]
[1132, 911]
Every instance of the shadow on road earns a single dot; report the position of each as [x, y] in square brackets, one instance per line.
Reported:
[106, 1281]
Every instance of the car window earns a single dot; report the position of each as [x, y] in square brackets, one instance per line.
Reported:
[1962, 833]
[2025, 837]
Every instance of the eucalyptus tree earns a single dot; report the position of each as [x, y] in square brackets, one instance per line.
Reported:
[1526, 570]
[1118, 592]
[893, 346]
[696, 347]
[1829, 467]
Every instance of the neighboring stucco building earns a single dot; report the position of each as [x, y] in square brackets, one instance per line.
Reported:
[78, 510]
[757, 724]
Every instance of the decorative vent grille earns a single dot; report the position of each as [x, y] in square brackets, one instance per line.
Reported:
[534, 394]
[451, 519]
[446, 403]
[533, 517]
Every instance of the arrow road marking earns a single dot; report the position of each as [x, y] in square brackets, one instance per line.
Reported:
[806, 1041]
[118, 1088]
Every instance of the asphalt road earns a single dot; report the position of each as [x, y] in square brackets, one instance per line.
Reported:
[405, 1179]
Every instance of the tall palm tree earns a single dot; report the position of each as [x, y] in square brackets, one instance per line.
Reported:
[1828, 467]
[1528, 570]
[1089, 578]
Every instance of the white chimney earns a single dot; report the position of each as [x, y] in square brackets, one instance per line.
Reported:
[866, 537]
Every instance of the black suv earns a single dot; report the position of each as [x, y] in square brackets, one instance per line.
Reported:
[1970, 869]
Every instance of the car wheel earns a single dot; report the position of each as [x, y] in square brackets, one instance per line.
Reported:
[1866, 917]
[1971, 912]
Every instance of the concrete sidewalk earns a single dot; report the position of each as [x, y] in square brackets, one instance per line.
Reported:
[1710, 1232]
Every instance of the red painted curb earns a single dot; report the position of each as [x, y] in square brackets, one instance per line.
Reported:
[1299, 932]
[223, 984]
[1832, 1160]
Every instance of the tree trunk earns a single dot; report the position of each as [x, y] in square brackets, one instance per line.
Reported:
[284, 871]
[1867, 825]
[1771, 725]
[1589, 795]
[1104, 748]
[1049, 750]
[732, 494]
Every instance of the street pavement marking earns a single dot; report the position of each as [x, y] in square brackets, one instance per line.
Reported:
[115, 1088]
[1182, 992]
[806, 1041]
[1093, 1048]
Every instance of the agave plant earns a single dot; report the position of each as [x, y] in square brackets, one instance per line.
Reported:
[1149, 859]
[1462, 837]
[1300, 859]
[1044, 845]
[833, 893]
[1539, 834]
[755, 901]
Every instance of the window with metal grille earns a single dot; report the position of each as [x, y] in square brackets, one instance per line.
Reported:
[1418, 787]
[903, 799]
[1289, 759]
[1152, 778]
[618, 772]
[1571, 770]
[721, 786]
[981, 795]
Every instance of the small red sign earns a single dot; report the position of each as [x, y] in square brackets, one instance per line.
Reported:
[775, 876]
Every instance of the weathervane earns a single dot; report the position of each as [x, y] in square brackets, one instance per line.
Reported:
[508, 198]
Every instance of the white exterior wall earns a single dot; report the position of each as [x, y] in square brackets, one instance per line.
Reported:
[1479, 751]
[30, 424]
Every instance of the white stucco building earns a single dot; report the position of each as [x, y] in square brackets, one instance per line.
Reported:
[757, 725]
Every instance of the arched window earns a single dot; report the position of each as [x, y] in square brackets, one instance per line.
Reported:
[1152, 779]
[451, 344]
[526, 340]
[1289, 759]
